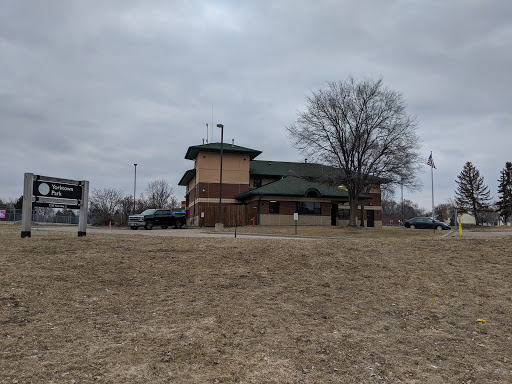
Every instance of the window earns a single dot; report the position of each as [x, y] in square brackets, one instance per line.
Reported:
[312, 192]
[344, 213]
[257, 182]
[273, 207]
[309, 208]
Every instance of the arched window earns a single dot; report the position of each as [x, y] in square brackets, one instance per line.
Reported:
[312, 192]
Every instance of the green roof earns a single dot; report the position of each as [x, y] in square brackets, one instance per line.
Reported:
[187, 177]
[297, 187]
[311, 171]
[193, 151]
[284, 169]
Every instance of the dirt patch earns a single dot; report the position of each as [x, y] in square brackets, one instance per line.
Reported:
[121, 308]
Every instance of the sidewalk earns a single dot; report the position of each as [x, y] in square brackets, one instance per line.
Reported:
[466, 233]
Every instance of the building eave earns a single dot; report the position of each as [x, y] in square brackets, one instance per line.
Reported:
[185, 179]
[194, 150]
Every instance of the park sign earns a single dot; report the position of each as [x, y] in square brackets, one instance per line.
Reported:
[57, 190]
[56, 193]
[53, 192]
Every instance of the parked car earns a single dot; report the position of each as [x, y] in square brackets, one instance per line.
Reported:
[425, 223]
[157, 217]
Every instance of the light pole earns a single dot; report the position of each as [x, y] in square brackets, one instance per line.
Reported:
[402, 194]
[134, 186]
[219, 226]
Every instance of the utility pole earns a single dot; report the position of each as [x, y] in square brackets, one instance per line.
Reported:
[134, 187]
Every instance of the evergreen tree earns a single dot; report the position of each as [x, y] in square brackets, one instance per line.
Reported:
[19, 203]
[472, 195]
[504, 204]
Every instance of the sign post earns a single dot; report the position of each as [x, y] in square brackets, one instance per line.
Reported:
[52, 192]
[82, 216]
[296, 219]
[26, 212]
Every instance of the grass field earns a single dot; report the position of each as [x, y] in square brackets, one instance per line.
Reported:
[383, 305]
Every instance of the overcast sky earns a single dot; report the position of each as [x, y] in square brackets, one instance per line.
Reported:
[88, 88]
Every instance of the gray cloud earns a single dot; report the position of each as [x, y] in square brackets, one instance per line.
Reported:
[88, 89]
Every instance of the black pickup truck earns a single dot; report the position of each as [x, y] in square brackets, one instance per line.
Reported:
[164, 218]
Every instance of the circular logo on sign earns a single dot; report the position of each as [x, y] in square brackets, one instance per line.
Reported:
[44, 189]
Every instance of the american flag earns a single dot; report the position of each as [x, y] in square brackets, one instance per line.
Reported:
[431, 161]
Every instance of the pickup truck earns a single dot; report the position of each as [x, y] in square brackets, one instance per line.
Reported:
[157, 217]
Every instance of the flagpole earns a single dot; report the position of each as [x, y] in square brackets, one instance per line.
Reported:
[432, 178]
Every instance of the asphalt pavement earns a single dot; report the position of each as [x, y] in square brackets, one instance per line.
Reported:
[207, 232]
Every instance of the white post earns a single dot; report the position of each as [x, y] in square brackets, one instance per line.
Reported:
[402, 197]
[26, 212]
[82, 218]
[432, 176]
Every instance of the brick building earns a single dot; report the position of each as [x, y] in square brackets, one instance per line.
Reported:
[270, 192]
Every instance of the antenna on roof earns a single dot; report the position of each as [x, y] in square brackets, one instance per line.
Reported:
[206, 133]
[203, 141]
[232, 142]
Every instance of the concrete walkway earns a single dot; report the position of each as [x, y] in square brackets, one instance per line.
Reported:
[465, 233]
[184, 232]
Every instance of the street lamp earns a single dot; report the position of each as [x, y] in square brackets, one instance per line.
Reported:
[402, 194]
[134, 186]
[219, 226]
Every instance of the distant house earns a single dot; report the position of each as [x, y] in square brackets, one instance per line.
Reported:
[467, 219]
[266, 192]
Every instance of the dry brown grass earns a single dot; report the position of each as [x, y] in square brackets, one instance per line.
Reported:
[376, 308]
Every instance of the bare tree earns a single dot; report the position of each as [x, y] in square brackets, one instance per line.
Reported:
[392, 208]
[443, 211]
[490, 216]
[10, 203]
[361, 129]
[44, 213]
[103, 204]
[160, 195]
[472, 195]
[125, 209]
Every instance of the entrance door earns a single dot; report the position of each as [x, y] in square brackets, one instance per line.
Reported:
[334, 213]
[370, 218]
